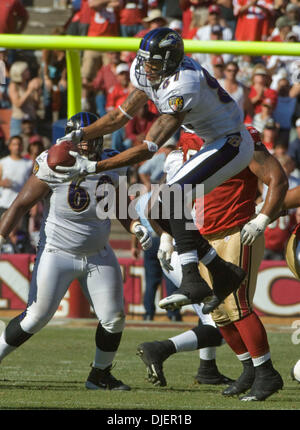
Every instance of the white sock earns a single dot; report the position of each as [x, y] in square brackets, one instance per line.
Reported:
[209, 256]
[5, 349]
[260, 360]
[186, 341]
[103, 359]
[189, 257]
[244, 356]
[208, 353]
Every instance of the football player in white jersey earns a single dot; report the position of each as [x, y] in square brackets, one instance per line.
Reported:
[185, 94]
[73, 245]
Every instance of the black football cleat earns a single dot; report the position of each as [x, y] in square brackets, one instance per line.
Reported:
[264, 386]
[242, 384]
[193, 289]
[212, 377]
[99, 379]
[226, 278]
[153, 355]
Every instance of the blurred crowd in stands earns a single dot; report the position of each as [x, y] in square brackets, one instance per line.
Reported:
[33, 96]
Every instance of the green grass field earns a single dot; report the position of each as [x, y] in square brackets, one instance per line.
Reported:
[49, 371]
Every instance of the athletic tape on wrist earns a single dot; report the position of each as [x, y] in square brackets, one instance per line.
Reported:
[2, 240]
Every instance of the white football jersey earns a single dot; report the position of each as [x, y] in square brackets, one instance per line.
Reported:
[210, 112]
[71, 216]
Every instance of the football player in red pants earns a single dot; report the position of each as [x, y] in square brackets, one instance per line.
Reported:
[229, 216]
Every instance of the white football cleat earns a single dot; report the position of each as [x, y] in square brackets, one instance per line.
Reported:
[296, 371]
[173, 302]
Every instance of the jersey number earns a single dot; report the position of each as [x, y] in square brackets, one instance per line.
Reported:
[78, 197]
[224, 97]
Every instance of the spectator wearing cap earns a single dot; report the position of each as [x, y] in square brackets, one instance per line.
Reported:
[260, 90]
[294, 146]
[269, 135]
[283, 26]
[206, 60]
[115, 97]
[153, 20]
[131, 15]
[254, 19]
[283, 113]
[214, 19]
[261, 119]
[238, 91]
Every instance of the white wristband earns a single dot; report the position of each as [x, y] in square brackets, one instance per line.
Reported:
[262, 221]
[2, 240]
[152, 147]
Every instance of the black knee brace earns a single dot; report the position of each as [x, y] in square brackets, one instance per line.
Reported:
[14, 334]
[207, 335]
[107, 341]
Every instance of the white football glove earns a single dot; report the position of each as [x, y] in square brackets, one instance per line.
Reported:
[143, 236]
[254, 228]
[82, 166]
[74, 136]
[165, 251]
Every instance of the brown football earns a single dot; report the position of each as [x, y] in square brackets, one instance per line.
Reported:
[58, 154]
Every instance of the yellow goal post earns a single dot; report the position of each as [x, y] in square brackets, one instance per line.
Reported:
[74, 44]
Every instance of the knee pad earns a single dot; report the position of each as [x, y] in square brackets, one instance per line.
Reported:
[207, 335]
[14, 334]
[107, 341]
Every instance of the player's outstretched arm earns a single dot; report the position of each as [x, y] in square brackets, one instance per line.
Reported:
[161, 130]
[33, 191]
[112, 121]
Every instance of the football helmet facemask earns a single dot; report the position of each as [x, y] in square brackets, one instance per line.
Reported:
[92, 148]
[160, 53]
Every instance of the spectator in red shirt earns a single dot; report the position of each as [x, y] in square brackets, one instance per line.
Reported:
[131, 16]
[13, 17]
[260, 90]
[104, 22]
[137, 128]
[105, 79]
[254, 19]
[79, 23]
[115, 98]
